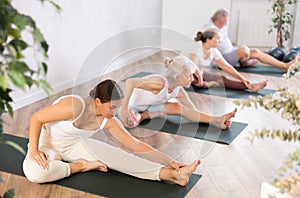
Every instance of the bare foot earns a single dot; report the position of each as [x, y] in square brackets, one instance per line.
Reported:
[91, 165]
[223, 121]
[287, 65]
[185, 172]
[255, 87]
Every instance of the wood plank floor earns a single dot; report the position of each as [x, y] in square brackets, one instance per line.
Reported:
[235, 170]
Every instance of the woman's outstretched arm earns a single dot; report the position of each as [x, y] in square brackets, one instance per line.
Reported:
[225, 66]
[138, 147]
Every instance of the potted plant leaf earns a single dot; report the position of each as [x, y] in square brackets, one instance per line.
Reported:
[287, 103]
[14, 70]
[282, 17]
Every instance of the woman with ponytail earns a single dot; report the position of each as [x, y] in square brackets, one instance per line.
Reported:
[61, 143]
[206, 54]
[149, 97]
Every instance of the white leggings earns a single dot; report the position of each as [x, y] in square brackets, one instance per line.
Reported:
[61, 152]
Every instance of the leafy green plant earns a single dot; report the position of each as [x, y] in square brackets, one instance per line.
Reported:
[9, 193]
[282, 17]
[14, 70]
[287, 103]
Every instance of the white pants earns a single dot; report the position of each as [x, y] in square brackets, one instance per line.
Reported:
[60, 152]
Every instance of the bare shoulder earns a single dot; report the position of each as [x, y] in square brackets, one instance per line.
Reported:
[114, 122]
[76, 103]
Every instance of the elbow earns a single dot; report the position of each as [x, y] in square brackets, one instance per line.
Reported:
[34, 119]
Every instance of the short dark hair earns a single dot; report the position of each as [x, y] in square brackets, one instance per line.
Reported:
[107, 91]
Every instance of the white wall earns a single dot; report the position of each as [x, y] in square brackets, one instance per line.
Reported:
[78, 30]
[187, 16]
[296, 33]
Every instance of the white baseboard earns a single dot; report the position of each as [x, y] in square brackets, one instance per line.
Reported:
[40, 94]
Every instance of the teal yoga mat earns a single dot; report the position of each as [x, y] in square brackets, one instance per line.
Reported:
[262, 70]
[220, 91]
[196, 130]
[110, 184]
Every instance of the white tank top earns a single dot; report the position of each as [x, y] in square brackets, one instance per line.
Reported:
[141, 99]
[65, 130]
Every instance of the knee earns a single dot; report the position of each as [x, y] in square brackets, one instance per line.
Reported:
[244, 52]
[34, 172]
[173, 108]
[255, 52]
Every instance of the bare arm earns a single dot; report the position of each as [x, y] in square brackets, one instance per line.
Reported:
[60, 111]
[194, 58]
[153, 83]
[224, 65]
[185, 99]
[138, 147]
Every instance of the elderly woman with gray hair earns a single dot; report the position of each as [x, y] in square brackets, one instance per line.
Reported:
[150, 96]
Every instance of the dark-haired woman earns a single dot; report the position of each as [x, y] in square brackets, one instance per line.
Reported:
[207, 53]
[60, 142]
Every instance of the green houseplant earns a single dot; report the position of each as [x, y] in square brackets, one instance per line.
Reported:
[14, 70]
[282, 18]
[287, 103]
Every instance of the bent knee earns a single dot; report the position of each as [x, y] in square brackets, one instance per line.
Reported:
[243, 52]
[34, 172]
[254, 52]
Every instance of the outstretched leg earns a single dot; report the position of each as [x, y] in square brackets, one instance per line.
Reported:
[269, 60]
[233, 84]
[194, 115]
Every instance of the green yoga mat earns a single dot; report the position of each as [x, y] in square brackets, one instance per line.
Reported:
[219, 91]
[262, 70]
[196, 130]
[110, 184]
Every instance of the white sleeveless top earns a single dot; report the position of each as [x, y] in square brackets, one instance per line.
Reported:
[65, 130]
[141, 99]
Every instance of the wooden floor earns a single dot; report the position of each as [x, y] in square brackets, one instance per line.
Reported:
[235, 170]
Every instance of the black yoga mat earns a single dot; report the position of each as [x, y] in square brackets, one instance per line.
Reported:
[230, 93]
[196, 130]
[110, 184]
[262, 70]
[219, 91]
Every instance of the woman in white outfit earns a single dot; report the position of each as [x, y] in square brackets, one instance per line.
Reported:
[206, 54]
[150, 96]
[59, 138]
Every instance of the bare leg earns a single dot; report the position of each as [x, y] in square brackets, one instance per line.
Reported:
[194, 115]
[269, 60]
[83, 165]
[182, 179]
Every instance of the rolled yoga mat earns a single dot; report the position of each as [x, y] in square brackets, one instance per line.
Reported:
[196, 130]
[110, 184]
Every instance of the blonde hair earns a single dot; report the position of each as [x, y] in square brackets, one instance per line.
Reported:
[177, 66]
